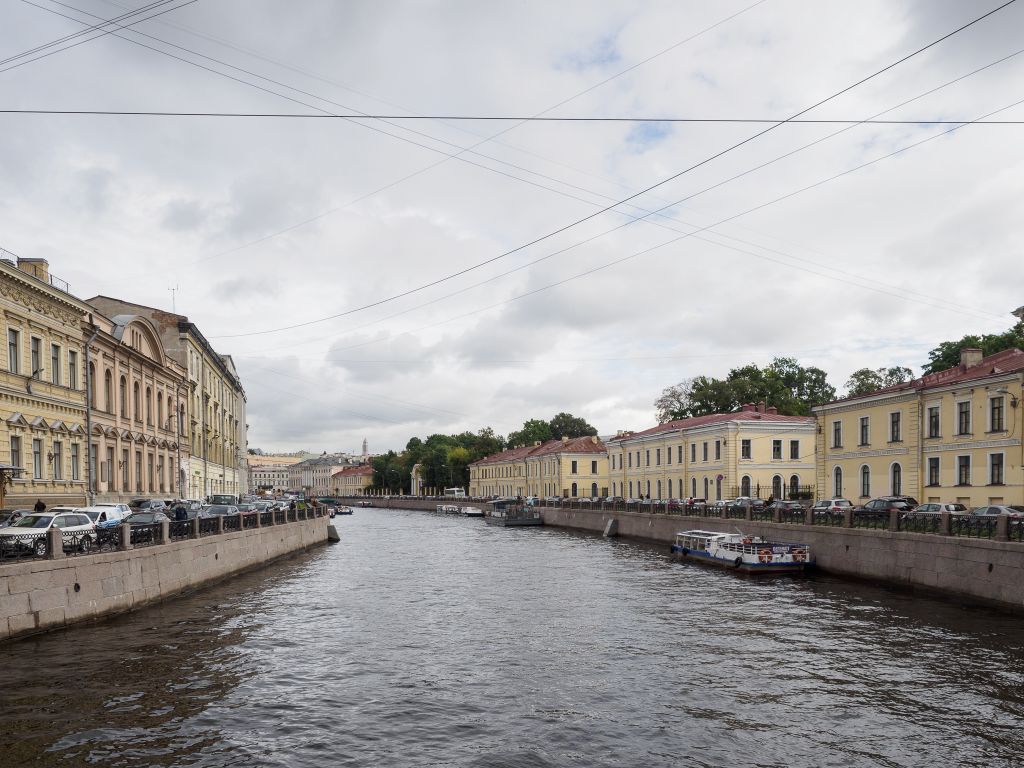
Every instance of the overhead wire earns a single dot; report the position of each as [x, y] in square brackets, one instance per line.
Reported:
[613, 205]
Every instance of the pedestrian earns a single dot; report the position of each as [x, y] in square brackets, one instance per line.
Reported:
[40, 506]
[180, 513]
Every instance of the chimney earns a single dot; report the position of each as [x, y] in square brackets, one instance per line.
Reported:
[761, 406]
[593, 439]
[969, 357]
[565, 440]
[39, 268]
[772, 410]
[536, 443]
[747, 408]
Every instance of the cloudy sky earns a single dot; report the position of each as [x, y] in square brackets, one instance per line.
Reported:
[384, 277]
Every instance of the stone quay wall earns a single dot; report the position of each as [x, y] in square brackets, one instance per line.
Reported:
[40, 594]
[976, 569]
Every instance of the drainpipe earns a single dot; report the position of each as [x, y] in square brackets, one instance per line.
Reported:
[89, 384]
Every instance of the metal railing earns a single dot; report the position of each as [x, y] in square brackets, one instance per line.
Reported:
[232, 523]
[973, 527]
[875, 520]
[147, 535]
[912, 523]
[24, 545]
[209, 526]
[180, 529]
[797, 516]
[831, 519]
[266, 519]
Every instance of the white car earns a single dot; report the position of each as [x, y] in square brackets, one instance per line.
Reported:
[30, 533]
[124, 509]
[106, 515]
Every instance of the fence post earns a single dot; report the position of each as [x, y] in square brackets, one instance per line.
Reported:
[54, 544]
[894, 520]
[195, 527]
[748, 510]
[725, 511]
[809, 515]
[165, 532]
[847, 518]
[220, 523]
[259, 521]
[1003, 528]
[126, 536]
[945, 524]
[777, 514]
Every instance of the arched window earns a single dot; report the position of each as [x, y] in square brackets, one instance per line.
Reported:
[681, 493]
[777, 487]
[160, 409]
[897, 480]
[648, 489]
[705, 487]
[593, 490]
[181, 419]
[837, 482]
[794, 486]
[137, 402]
[574, 494]
[123, 391]
[659, 489]
[149, 405]
[745, 486]
[865, 481]
[108, 390]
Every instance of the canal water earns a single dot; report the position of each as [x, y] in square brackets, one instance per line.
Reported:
[425, 640]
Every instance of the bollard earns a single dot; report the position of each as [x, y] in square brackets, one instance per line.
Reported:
[1003, 528]
[165, 532]
[195, 527]
[220, 524]
[725, 511]
[748, 510]
[894, 520]
[126, 536]
[54, 544]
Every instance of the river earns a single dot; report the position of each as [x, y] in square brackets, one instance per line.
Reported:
[425, 640]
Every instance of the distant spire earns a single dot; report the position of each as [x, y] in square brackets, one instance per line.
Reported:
[365, 447]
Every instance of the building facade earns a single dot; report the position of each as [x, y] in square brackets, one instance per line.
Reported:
[215, 402]
[138, 426]
[42, 387]
[352, 481]
[569, 468]
[752, 452]
[953, 436]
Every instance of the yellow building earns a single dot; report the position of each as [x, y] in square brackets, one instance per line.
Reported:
[42, 387]
[752, 452]
[352, 481]
[573, 467]
[951, 436]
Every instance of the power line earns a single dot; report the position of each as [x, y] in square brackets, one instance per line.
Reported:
[607, 208]
[367, 116]
[101, 34]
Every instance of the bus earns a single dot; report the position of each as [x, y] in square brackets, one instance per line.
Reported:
[458, 493]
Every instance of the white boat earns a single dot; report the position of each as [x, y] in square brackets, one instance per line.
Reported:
[472, 512]
[750, 554]
[449, 509]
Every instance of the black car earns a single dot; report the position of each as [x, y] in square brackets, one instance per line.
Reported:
[792, 506]
[147, 505]
[888, 504]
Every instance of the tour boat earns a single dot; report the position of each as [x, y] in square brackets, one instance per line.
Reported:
[749, 554]
[448, 509]
[344, 510]
[472, 512]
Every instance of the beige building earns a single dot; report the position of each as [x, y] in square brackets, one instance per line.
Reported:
[352, 481]
[574, 467]
[951, 436]
[42, 386]
[138, 425]
[752, 452]
[215, 402]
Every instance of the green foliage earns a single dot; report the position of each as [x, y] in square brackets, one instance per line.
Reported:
[865, 380]
[532, 431]
[567, 425]
[783, 384]
[947, 354]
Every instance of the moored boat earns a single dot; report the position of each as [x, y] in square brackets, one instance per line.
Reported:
[448, 509]
[344, 510]
[472, 512]
[749, 554]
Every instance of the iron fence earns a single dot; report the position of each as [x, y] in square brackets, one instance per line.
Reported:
[920, 523]
[834, 519]
[209, 526]
[19, 545]
[876, 520]
[109, 537]
[761, 513]
[180, 529]
[280, 517]
[1016, 530]
[793, 516]
[266, 518]
[232, 523]
[249, 521]
[973, 527]
[147, 535]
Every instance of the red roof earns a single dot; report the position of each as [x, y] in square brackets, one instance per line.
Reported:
[548, 448]
[714, 418]
[361, 469]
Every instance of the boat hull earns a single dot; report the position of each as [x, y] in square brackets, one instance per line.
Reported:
[738, 563]
[510, 522]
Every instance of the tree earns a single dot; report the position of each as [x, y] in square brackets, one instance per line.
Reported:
[567, 425]
[674, 402]
[532, 431]
[947, 354]
[865, 380]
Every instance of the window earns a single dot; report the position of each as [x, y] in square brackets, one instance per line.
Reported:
[777, 487]
[995, 469]
[58, 460]
[93, 451]
[149, 407]
[895, 431]
[657, 458]
[73, 370]
[108, 390]
[37, 358]
[718, 488]
[668, 458]
[837, 483]
[865, 481]
[744, 454]
[704, 452]
[15, 450]
[864, 431]
[963, 470]
[638, 458]
[679, 455]
[776, 449]
[963, 417]
[574, 469]
[631, 489]
[995, 414]
[837, 434]
[794, 486]
[933, 421]
[13, 350]
[658, 494]
[705, 487]
[108, 471]
[593, 469]
[160, 410]
[124, 469]
[794, 449]
[37, 459]
[693, 487]
[138, 471]
[896, 475]
[629, 456]
[137, 404]
[574, 493]
[75, 471]
[55, 364]
[933, 470]
[693, 452]
[718, 450]
[745, 486]
[647, 456]
[150, 474]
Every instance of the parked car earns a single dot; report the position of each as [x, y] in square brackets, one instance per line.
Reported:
[831, 506]
[934, 508]
[794, 506]
[105, 516]
[77, 529]
[13, 516]
[247, 508]
[1014, 511]
[147, 518]
[147, 505]
[888, 504]
[742, 501]
[220, 510]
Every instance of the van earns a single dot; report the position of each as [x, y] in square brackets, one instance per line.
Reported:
[458, 493]
[104, 516]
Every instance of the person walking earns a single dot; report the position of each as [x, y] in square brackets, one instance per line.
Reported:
[40, 506]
